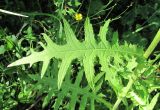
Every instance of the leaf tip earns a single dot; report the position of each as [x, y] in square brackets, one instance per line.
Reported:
[59, 85]
[10, 65]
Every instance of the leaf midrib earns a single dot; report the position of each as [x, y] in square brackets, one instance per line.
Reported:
[87, 50]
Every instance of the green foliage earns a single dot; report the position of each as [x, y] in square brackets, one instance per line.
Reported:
[83, 65]
[81, 95]
[112, 57]
[87, 51]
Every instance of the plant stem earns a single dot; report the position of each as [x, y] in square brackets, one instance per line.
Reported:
[152, 45]
[147, 53]
[124, 92]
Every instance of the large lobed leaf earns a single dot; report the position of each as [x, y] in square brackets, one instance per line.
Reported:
[82, 95]
[86, 51]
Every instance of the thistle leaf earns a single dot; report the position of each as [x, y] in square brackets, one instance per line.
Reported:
[86, 51]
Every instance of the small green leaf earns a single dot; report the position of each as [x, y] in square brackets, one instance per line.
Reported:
[2, 49]
[10, 42]
[153, 102]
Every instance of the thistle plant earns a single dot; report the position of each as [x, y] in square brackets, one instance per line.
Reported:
[122, 67]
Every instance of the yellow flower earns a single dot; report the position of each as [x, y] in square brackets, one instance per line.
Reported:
[78, 16]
